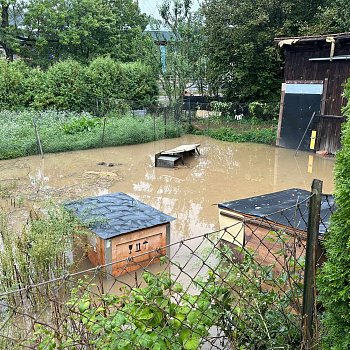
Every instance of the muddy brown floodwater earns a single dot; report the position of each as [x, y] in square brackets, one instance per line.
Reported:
[224, 171]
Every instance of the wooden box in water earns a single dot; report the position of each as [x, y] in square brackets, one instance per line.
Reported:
[125, 234]
[175, 156]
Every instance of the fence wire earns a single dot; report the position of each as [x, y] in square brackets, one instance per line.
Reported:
[237, 288]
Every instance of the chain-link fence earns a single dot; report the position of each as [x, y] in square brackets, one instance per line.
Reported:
[212, 291]
[119, 122]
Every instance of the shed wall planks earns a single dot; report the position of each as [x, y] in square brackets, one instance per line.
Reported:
[298, 67]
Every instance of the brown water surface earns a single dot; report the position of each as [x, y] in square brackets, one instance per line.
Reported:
[224, 171]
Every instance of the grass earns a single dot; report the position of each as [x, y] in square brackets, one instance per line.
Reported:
[248, 130]
[67, 131]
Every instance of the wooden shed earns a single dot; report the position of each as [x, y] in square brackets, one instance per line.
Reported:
[122, 227]
[315, 70]
[252, 222]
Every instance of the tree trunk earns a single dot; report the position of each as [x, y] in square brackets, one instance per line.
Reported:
[5, 23]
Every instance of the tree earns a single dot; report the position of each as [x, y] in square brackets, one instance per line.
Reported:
[82, 30]
[243, 59]
[185, 60]
[334, 18]
[9, 31]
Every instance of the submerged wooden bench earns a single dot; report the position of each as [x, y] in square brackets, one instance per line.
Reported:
[170, 158]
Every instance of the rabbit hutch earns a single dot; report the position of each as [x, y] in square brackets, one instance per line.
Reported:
[123, 232]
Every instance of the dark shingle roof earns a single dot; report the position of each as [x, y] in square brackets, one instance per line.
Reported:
[116, 214]
[161, 35]
[280, 207]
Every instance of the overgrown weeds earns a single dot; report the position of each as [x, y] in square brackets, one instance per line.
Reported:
[68, 131]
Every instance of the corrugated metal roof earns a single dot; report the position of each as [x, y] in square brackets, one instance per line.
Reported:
[296, 39]
[288, 207]
[116, 214]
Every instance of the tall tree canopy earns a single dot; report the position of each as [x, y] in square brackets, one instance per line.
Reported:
[83, 29]
[243, 59]
[52, 30]
[333, 18]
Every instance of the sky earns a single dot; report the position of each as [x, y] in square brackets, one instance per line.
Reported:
[150, 7]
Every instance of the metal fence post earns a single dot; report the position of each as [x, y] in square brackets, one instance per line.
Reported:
[103, 131]
[310, 263]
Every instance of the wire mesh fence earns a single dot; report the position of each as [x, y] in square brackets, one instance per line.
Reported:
[240, 287]
[116, 123]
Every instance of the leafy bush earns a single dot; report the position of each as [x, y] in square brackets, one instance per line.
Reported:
[257, 135]
[263, 110]
[69, 85]
[65, 87]
[254, 306]
[143, 318]
[221, 108]
[12, 87]
[105, 83]
[141, 83]
[333, 282]
[34, 86]
[81, 124]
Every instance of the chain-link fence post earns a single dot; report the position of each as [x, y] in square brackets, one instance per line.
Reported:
[37, 137]
[310, 264]
[103, 131]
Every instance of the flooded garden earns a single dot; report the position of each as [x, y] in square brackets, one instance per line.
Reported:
[223, 171]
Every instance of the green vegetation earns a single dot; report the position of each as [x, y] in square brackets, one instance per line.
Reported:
[225, 127]
[67, 131]
[243, 60]
[48, 31]
[69, 85]
[143, 318]
[249, 303]
[333, 282]
[38, 253]
[257, 135]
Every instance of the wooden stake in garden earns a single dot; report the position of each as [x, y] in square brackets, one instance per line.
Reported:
[310, 263]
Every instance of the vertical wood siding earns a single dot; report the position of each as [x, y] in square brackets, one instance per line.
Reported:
[298, 67]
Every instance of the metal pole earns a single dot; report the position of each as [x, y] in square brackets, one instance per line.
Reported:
[37, 136]
[165, 116]
[310, 263]
[103, 131]
[312, 118]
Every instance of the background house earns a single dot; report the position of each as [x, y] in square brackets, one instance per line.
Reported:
[315, 70]
[122, 227]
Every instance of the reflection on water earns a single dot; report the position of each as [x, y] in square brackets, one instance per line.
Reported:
[224, 171]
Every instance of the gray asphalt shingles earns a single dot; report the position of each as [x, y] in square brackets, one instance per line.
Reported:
[115, 214]
[280, 207]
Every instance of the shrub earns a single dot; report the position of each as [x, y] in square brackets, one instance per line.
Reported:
[105, 83]
[263, 135]
[34, 86]
[141, 83]
[333, 282]
[81, 124]
[263, 110]
[65, 87]
[12, 87]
